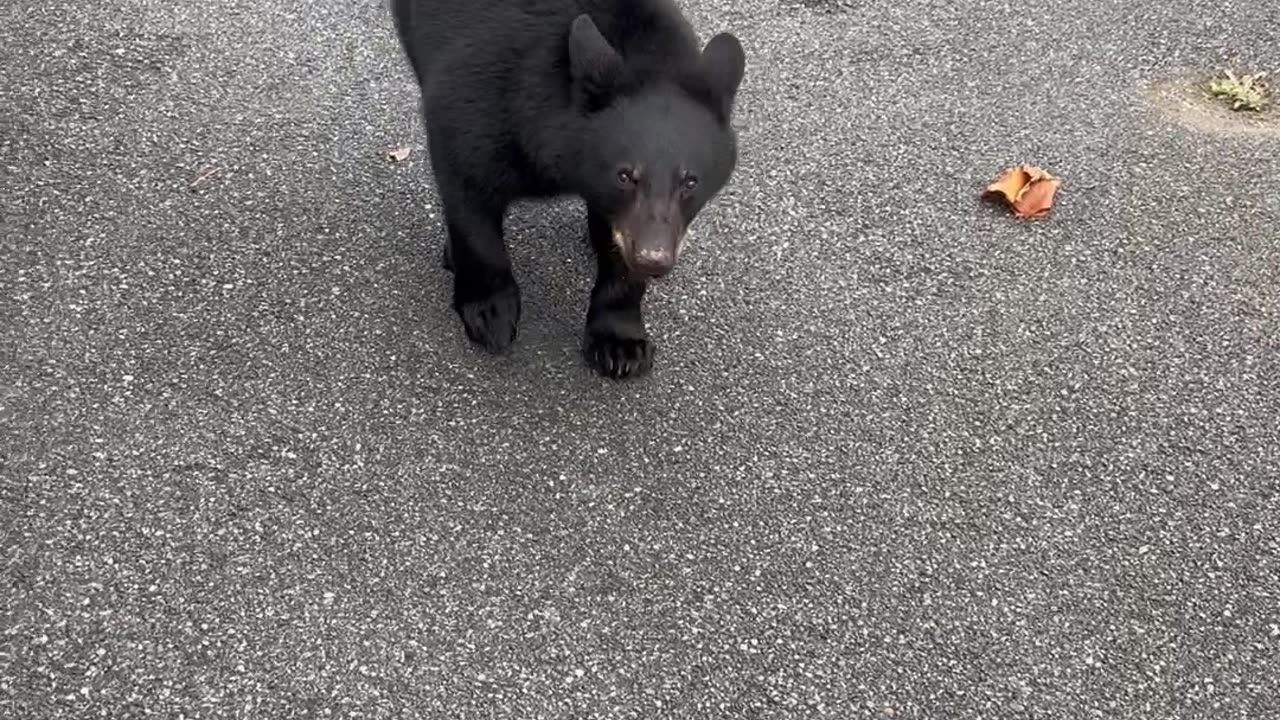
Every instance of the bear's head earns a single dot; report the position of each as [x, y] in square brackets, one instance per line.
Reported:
[655, 150]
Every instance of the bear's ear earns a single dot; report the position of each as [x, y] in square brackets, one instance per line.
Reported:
[593, 63]
[723, 64]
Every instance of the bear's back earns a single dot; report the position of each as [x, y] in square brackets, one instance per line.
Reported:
[508, 37]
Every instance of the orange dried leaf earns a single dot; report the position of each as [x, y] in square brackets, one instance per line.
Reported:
[1027, 189]
[1037, 198]
[1010, 183]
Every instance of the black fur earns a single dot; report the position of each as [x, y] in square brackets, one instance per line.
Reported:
[611, 100]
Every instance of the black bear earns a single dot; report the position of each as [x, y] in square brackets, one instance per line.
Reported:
[614, 101]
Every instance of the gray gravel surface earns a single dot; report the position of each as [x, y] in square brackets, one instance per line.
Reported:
[902, 456]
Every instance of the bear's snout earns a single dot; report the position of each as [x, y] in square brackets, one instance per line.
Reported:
[650, 250]
[654, 262]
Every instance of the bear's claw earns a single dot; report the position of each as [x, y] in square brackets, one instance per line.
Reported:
[492, 322]
[619, 357]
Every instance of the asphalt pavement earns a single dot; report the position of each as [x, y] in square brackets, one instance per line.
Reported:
[901, 455]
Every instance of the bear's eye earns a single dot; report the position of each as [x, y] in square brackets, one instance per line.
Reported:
[626, 177]
[690, 182]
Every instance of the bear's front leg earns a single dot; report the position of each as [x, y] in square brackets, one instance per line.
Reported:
[485, 294]
[616, 343]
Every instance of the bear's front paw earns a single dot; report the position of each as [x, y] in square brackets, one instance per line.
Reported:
[491, 322]
[617, 357]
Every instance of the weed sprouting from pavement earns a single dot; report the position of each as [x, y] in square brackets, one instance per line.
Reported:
[1242, 92]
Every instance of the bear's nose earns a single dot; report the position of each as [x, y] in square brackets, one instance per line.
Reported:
[654, 262]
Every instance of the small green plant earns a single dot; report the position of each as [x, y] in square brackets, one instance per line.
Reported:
[1242, 92]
